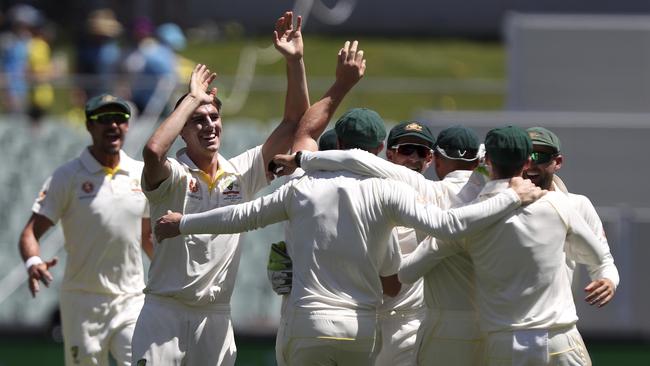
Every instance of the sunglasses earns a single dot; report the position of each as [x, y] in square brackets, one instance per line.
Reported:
[108, 118]
[542, 157]
[408, 149]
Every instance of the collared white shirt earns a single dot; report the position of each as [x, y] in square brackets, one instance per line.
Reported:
[200, 270]
[101, 212]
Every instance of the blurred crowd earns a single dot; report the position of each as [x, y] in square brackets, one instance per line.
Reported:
[138, 61]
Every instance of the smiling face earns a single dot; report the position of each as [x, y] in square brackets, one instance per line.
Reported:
[202, 132]
[541, 174]
[107, 127]
[414, 160]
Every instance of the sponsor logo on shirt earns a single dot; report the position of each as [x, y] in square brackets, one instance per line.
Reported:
[232, 192]
[135, 185]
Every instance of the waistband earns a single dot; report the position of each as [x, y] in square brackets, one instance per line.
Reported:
[402, 313]
[174, 303]
[453, 314]
[551, 331]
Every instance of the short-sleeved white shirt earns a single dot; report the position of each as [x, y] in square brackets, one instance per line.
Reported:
[101, 215]
[200, 270]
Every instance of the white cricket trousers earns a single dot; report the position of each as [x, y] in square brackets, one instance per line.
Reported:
[397, 331]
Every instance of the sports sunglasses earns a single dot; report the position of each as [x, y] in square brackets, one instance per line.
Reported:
[542, 157]
[108, 118]
[408, 149]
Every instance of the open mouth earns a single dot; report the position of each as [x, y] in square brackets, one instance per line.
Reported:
[113, 137]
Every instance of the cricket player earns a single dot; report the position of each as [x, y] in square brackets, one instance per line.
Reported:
[523, 290]
[409, 144]
[342, 261]
[98, 199]
[192, 277]
[451, 325]
[546, 160]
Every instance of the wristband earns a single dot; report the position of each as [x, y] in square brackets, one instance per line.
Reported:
[297, 158]
[33, 260]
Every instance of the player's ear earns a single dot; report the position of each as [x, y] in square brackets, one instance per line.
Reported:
[558, 162]
[380, 148]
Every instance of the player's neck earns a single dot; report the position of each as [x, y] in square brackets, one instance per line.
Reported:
[107, 160]
[208, 163]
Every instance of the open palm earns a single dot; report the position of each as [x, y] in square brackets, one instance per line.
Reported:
[287, 38]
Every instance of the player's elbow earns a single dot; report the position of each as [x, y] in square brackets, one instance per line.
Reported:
[153, 152]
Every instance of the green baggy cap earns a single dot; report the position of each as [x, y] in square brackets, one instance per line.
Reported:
[327, 140]
[360, 128]
[544, 137]
[458, 142]
[508, 145]
[411, 128]
[102, 100]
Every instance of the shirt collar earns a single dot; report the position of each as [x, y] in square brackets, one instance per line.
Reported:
[93, 166]
[558, 185]
[225, 165]
[495, 186]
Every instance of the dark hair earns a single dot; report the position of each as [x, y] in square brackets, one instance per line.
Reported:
[217, 102]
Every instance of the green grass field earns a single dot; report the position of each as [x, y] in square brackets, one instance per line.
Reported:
[427, 61]
[260, 352]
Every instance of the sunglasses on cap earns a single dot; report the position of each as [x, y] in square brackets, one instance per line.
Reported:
[542, 157]
[408, 149]
[108, 118]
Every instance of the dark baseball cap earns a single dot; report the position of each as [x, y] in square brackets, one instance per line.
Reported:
[411, 128]
[458, 142]
[544, 137]
[103, 100]
[327, 140]
[508, 145]
[360, 128]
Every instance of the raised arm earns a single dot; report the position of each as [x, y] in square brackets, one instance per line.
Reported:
[419, 262]
[287, 39]
[232, 219]
[350, 68]
[156, 167]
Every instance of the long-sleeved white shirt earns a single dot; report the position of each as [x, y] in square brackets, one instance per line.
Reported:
[341, 223]
[521, 276]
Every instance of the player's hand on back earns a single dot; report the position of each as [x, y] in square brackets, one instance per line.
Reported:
[168, 226]
[283, 164]
[527, 191]
[40, 273]
[600, 292]
[351, 64]
[288, 39]
[200, 82]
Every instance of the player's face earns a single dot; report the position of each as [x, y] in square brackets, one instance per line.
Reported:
[411, 152]
[544, 163]
[108, 127]
[203, 130]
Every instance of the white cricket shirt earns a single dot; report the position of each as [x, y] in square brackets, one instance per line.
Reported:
[101, 212]
[200, 270]
[521, 276]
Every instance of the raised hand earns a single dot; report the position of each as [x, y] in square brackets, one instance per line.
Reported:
[351, 65]
[200, 82]
[40, 273]
[286, 38]
[527, 191]
[168, 226]
[284, 164]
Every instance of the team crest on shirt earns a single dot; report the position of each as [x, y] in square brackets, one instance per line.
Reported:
[87, 186]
